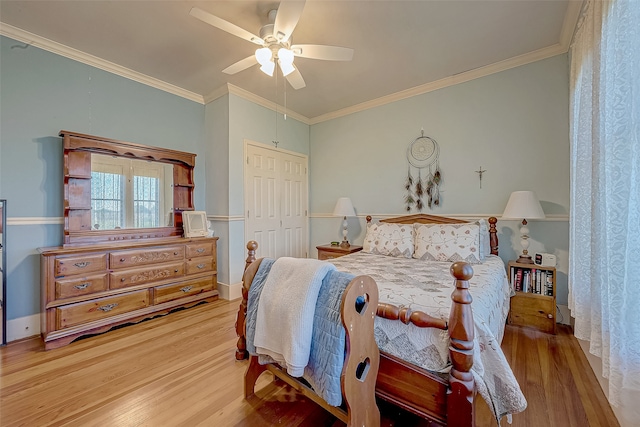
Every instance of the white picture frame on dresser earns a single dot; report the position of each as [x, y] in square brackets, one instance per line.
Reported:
[195, 224]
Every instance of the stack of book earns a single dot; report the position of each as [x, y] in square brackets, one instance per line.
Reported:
[532, 280]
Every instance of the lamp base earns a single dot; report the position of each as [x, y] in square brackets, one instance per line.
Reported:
[525, 259]
[344, 244]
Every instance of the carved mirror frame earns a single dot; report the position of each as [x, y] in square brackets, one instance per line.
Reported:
[77, 149]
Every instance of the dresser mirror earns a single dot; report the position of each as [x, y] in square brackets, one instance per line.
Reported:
[122, 191]
[130, 193]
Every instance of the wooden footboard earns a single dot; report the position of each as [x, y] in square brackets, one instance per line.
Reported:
[445, 399]
[362, 357]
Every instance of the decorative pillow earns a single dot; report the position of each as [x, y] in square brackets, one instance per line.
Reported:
[389, 239]
[448, 242]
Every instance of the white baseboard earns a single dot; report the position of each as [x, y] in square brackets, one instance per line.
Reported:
[23, 327]
[230, 292]
[563, 315]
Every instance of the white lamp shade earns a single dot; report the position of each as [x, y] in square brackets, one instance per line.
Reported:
[344, 207]
[263, 55]
[268, 68]
[286, 67]
[523, 205]
[285, 55]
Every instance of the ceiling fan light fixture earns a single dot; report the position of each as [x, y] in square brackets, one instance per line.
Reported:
[268, 68]
[286, 67]
[285, 55]
[263, 56]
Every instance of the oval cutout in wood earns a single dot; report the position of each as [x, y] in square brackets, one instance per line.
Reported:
[361, 303]
[363, 369]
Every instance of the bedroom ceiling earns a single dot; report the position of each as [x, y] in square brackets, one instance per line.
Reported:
[399, 45]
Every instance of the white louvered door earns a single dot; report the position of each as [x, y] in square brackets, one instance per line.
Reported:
[276, 194]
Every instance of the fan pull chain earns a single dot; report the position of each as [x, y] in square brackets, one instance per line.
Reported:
[276, 142]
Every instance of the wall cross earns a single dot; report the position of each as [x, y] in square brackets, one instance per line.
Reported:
[480, 172]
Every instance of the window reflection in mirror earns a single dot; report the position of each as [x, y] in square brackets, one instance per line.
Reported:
[130, 193]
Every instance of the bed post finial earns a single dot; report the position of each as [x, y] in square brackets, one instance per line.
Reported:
[369, 219]
[462, 388]
[493, 235]
[252, 245]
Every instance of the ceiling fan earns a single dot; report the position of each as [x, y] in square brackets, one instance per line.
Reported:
[275, 43]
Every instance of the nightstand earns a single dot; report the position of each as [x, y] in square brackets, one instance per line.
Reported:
[534, 303]
[335, 251]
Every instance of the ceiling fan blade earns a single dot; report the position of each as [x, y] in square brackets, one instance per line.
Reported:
[241, 65]
[287, 18]
[295, 79]
[225, 25]
[317, 51]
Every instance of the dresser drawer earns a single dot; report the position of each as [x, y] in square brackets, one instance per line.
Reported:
[140, 276]
[175, 291]
[322, 256]
[66, 266]
[67, 288]
[84, 312]
[200, 249]
[141, 257]
[200, 265]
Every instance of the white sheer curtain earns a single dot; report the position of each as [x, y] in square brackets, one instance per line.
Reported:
[604, 256]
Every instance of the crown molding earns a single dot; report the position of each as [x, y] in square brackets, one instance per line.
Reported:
[463, 77]
[570, 22]
[85, 58]
[568, 28]
[251, 97]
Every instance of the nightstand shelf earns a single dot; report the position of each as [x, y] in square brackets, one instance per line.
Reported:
[335, 251]
[534, 304]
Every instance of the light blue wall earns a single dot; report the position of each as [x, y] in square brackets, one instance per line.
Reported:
[514, 124]
[245, 121]
[43, 93]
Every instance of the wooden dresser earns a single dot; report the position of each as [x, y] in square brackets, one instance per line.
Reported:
[86, 290]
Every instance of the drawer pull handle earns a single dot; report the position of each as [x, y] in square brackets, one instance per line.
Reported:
[123, 279]
[108, 307]
[121, 259]
[176, 270]
[175, 253]
[186, 289]
[201, 265]
[81, 264]
[82, 285]
[200, 250]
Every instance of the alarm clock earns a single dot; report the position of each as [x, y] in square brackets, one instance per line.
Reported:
[545, 260]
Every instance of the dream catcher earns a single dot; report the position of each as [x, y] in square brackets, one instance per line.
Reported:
[423, 154]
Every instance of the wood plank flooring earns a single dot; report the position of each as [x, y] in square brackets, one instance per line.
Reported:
[180, 370]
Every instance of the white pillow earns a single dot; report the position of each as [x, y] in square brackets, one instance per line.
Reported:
[448, 242]
[389, 239]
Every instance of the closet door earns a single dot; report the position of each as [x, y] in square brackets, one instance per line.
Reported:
[276, 187]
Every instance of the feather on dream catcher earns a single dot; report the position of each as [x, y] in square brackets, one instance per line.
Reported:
[423, 154]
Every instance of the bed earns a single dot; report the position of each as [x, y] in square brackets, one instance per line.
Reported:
[438, 381]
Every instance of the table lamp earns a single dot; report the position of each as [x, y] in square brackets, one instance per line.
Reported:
[523, 204]
[344, 208]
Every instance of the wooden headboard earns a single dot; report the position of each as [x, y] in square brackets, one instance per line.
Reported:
[434, 219]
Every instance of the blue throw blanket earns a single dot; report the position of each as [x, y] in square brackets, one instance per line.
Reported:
[328, 338]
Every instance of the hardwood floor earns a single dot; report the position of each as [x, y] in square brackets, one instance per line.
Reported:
[179, 370]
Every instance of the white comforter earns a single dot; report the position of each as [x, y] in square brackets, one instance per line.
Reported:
[427, 286]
